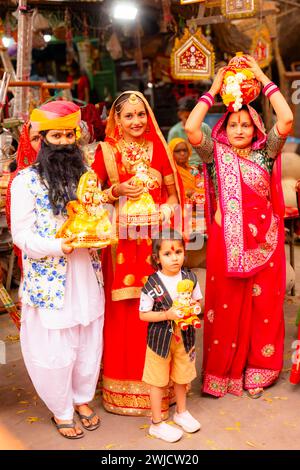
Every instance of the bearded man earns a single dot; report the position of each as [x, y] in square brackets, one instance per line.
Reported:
[62, 291]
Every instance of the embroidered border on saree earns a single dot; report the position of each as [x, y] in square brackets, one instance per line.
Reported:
[238, 259]
[131, 398]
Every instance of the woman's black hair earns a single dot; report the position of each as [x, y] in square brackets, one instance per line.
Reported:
[169, 234]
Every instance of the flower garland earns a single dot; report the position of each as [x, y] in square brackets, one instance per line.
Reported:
[233, 94]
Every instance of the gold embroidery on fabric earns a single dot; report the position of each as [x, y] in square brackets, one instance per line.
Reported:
[130, 398]
[120, 258]
[110, 163]
[169, 179]
[129, 279]
[144, 279]
[268, 350]
[256, 290]
[126, 293]
[148, 259]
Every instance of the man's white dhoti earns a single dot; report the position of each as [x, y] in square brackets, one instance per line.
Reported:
[63, 364]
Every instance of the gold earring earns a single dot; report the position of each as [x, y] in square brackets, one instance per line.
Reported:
[120, 130]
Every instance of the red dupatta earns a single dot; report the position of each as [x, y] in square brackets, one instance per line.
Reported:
[26, 156]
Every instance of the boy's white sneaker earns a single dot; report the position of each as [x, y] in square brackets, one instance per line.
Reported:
[186, 421]
[165, 432]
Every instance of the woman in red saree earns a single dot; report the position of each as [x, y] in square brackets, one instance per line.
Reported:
[131, 130]
[245, 281]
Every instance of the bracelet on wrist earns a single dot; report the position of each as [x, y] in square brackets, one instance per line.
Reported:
[269, 89]
[207, 98]
[110, 193]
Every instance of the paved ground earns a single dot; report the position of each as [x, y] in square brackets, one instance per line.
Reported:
[271, 422]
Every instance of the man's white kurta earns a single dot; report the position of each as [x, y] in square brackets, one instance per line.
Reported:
[62, 348]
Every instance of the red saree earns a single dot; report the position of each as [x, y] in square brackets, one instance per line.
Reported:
[245, 283]
[125, 270]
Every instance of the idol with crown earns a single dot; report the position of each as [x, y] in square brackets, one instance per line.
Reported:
[88, 222]
[136, 160]
[186, 308]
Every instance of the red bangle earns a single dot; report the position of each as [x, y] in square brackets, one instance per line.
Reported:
[269, 89]
[266, 87]
[207, 98]
[272, 91]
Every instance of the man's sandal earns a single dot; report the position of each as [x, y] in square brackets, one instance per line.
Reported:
[68, 426]
[90, 427]
[255, 392]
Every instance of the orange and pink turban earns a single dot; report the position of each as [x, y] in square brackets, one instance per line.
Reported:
[55, 115]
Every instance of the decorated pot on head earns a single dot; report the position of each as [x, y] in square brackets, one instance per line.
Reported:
[239, 84]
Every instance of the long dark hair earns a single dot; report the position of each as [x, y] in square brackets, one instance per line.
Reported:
[60, 168]
[169, 234]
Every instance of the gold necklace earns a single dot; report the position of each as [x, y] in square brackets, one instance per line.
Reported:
[134, 151]
[133, 143]
[242, 152]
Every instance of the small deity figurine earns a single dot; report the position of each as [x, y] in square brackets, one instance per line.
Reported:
[87, 220]
[143, 211]
[186, 308]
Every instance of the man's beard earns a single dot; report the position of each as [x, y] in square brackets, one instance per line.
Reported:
[60, 167]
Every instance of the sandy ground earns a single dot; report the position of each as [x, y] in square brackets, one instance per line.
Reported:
[271, 422]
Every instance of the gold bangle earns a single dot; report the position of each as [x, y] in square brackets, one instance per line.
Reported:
[110, 193]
